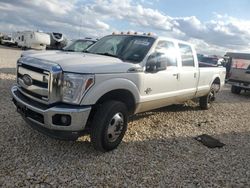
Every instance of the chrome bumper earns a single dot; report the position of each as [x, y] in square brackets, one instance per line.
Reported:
[42, 115]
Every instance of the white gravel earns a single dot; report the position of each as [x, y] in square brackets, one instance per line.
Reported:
[158, 149]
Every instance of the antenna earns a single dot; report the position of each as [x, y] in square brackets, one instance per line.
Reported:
[80, 29]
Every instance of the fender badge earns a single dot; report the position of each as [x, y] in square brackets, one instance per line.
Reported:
[148, 90]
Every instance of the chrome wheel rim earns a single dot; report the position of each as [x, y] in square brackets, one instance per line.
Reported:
[115, 127]
[211, 97]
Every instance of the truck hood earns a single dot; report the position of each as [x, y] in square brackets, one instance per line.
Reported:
[32, 52]
[79, 62]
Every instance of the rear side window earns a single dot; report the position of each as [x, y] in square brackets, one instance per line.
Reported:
[240, 63]
[167, 51]
[187, 57]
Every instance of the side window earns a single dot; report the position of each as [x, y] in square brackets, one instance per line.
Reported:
[187, 57]
[22, 38]
[167, 51]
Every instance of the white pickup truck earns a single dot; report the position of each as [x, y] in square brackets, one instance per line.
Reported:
[66, 95]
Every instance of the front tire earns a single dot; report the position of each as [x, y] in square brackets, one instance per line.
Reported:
[235, 90]
[109, 125]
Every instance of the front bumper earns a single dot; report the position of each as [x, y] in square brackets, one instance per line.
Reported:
[40, 116]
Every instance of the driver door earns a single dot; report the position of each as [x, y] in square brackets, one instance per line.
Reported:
[160, 88]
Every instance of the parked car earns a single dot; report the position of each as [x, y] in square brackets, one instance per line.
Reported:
[239, 72]
[67, 95]
[7, 41]
[79, 45]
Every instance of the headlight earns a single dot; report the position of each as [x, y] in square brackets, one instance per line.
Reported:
[75, 86]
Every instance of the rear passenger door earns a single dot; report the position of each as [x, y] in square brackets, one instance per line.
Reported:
[188, 72]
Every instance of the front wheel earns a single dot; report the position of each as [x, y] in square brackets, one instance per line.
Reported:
[206, 101]
[109, 125]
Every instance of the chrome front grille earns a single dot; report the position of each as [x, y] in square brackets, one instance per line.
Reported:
[40, 82]
[44, 85]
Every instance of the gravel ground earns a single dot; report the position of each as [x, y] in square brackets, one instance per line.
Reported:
[158, 149]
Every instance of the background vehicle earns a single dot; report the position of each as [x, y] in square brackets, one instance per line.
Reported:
[7, 40]
[209, 61]
[75, 46]
[32, 39]
[57, 41]
[68, 94]
[239, 72]
[79, 45]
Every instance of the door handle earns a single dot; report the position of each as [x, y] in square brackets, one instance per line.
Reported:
[176, 75]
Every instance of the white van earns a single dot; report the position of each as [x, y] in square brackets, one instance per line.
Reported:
[32, 39]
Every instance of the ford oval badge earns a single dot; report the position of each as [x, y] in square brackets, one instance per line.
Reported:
[27, 80]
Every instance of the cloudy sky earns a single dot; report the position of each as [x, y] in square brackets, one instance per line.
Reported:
[214, 26]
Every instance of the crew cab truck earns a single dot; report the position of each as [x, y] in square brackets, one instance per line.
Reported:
[239, 72]
[69, 94]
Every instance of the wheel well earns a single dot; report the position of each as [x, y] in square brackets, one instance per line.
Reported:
[217, 82]
[122, 95]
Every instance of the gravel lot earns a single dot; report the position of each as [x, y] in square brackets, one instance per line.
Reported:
[158, 149]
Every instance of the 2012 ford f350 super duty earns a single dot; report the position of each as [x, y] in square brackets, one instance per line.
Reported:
[66, 94]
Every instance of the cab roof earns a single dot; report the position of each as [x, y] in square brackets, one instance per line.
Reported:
[151, 35]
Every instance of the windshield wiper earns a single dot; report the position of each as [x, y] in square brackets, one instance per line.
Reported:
[108, 54]
[68, 50]
[85, 51]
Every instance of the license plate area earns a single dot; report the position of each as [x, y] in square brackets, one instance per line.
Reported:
[26, 112]
[22, 109]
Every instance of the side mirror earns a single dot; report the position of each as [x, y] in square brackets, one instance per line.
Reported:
[156, 62]
[219, 64]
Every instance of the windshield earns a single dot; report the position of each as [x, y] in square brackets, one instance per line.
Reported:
[78, 45]
[125, 47]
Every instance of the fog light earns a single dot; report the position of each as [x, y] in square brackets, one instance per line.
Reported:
[61, 120]
[64, 119]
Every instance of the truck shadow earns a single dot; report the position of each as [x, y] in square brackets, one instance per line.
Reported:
[172, 108]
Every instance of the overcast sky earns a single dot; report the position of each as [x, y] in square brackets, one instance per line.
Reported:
[213, 26]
